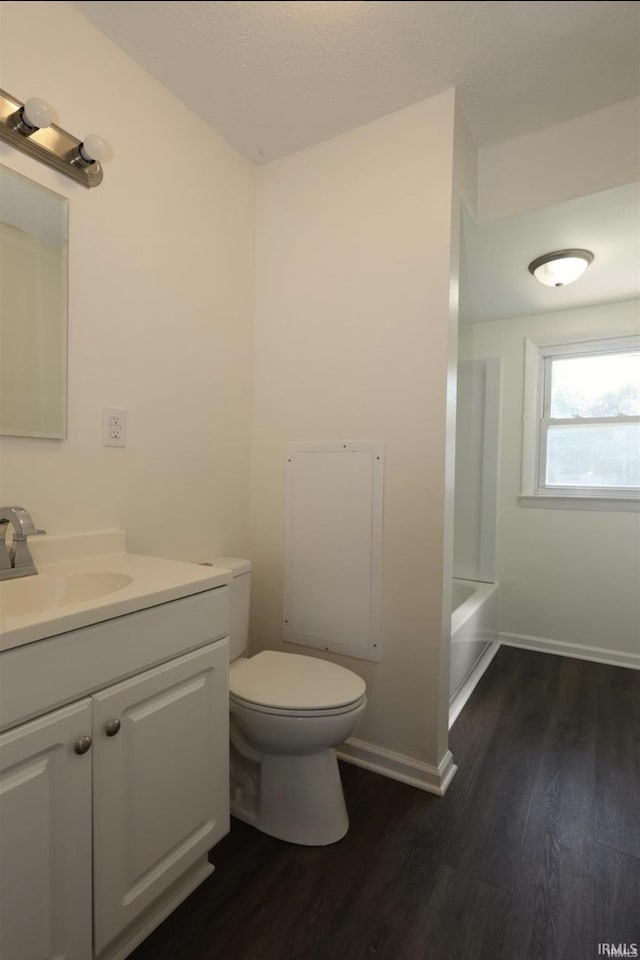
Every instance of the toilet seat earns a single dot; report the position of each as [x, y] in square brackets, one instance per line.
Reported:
[287, 684]
[281, 712]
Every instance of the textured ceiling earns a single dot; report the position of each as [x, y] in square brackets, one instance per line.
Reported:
[496, 282]
[273, 77]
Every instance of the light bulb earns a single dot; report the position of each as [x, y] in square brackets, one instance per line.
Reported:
[37, 114]
[94, 148]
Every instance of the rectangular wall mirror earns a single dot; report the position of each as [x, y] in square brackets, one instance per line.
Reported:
[33, 308]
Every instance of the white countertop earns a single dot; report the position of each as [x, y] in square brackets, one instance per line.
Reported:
[152, 581]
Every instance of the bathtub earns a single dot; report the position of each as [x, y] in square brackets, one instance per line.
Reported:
[474, 638]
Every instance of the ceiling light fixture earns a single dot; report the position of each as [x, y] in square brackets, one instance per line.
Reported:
[29, 128]
[560, 267]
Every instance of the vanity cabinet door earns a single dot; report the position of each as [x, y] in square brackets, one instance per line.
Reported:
[161, 783]
[45, 837]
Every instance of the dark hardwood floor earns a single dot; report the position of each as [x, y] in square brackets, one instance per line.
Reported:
[534, 853]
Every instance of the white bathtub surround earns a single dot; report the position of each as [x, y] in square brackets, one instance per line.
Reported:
[474, 623]
[477, 469]
[459, 699]
[474, 638]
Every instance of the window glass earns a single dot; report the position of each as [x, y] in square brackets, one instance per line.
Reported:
[607, 385]
[593, 455]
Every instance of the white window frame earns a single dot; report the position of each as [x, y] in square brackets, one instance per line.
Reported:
[536, 421]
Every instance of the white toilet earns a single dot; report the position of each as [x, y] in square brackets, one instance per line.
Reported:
[288, 713]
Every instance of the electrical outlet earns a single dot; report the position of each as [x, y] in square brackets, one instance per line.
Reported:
[114, 427]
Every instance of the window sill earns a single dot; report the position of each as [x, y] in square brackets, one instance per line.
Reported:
[543, 501]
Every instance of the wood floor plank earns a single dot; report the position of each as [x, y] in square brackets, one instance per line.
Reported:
[449, 916]
[618, 759]
[387, 899]
[463, 919]
[552, 914]
[318, 900]
[389, 896]
[617, 902]
[559, 890]
[489, 835]
[564, 792]
[416, 836]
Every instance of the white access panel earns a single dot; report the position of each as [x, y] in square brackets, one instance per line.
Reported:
[333, 547]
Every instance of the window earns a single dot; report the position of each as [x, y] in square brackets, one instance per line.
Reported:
[586, 429]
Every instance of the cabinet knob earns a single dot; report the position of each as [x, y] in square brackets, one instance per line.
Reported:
[112, 727]
[82, 744]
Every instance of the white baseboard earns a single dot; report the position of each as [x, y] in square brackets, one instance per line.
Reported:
[464, 691]
[397, 766]
[617, 658]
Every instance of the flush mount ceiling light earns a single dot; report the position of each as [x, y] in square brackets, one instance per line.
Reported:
[29, 128]
[561, 267]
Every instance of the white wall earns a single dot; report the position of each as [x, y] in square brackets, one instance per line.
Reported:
[160, 301]
[352, 341]
[574, 159]
[566, 576]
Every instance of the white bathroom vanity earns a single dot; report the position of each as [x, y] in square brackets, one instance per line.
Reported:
[114, 781]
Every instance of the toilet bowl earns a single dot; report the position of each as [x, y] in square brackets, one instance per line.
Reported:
[286, 737]
[287, 714]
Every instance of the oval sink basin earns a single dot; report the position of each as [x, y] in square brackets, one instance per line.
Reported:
[47, 591]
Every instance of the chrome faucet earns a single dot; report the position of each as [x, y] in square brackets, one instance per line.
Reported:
[16, 560]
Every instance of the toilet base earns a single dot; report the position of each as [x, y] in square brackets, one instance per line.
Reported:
[295, 798]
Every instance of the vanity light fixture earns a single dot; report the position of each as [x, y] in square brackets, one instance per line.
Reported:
[561, 267]
[29, 128]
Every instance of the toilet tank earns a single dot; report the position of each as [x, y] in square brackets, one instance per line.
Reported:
[240, 593]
